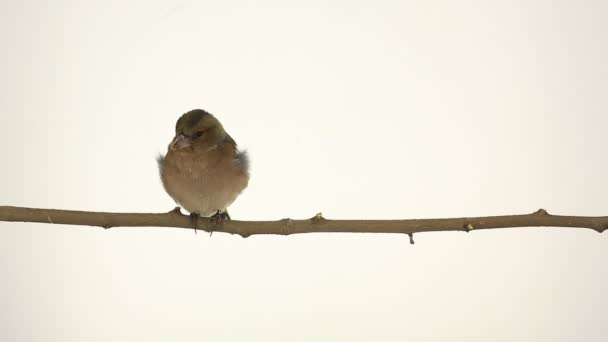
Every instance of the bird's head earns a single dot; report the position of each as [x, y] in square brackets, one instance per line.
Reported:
[196, 128]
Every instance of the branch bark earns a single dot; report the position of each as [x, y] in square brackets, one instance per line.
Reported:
[316, 224]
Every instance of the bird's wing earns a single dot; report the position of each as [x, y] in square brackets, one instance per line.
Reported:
[241, 157]
[160, 160]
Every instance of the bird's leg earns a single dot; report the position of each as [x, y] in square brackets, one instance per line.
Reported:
[220, 216]
[217, 219]
[194, 220]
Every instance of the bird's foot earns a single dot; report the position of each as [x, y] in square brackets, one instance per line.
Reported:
[216, 220]
[194, 219]
[219, 217]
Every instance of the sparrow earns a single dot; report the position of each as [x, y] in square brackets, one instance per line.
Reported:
[203, 170]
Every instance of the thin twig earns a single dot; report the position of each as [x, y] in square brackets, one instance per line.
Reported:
[316, 224]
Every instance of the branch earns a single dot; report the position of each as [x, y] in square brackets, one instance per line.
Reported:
[316, 224]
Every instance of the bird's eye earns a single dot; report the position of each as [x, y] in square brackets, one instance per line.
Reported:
[197, 134]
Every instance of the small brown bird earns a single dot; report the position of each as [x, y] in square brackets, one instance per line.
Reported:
[203, 170]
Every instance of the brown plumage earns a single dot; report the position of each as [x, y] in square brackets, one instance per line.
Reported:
[203, 170]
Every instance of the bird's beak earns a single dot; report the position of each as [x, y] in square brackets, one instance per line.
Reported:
[180, 141]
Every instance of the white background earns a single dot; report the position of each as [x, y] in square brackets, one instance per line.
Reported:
[360, 110]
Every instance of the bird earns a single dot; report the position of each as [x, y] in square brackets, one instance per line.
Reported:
[203, 170]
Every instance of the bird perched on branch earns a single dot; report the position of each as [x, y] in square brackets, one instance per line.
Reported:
[203, 170]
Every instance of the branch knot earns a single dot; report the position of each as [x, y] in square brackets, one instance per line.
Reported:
[318, 218]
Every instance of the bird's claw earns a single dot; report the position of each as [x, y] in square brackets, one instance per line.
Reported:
[194, 217]
[219, 217]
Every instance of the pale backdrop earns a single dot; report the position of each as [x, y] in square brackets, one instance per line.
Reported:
[379, 109]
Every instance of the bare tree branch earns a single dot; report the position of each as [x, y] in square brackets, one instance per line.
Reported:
[316, 224]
